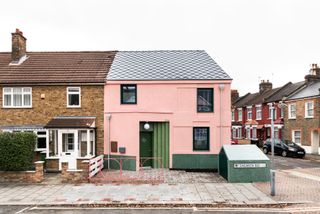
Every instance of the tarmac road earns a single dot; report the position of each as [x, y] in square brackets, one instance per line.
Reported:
[285, 163]
[73, 210]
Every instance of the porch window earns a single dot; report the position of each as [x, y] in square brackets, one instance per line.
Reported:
[42, 140]
[309, 109]
[296, 136]
[205, 99]
[17, 97]
[201, 138]
[248, 134]
[254, 132]
[292, 111]
[53, 143]
[239, 130]
[73, 97]
[234, 133]
[128, 94]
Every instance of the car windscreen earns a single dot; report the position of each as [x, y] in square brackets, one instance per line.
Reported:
[289, 143]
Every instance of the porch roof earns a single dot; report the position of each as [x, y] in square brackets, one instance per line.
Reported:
[71, 122]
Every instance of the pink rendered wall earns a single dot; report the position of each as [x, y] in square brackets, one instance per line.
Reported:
[172, 101]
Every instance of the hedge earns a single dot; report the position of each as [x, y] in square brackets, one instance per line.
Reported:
[17, 151]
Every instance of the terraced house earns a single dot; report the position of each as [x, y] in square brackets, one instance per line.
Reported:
[302, 118]
[166, 109]
[57, 95]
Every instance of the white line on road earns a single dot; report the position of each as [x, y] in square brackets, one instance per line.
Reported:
[24, 209]
[303, 175]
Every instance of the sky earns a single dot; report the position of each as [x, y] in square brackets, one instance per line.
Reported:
[252, 40]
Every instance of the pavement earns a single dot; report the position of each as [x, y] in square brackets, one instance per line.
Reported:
[104, 194]
[297, 190]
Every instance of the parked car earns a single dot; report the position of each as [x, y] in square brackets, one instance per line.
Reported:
[284, 148]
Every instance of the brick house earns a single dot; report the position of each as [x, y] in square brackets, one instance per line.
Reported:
[251, 113]
[57, 95]
[302, 115]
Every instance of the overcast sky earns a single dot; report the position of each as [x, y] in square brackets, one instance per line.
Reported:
[250, 39]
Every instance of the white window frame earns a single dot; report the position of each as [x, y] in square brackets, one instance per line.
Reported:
[259, 112]
[239, 132]
[289, 111]
[77, 93]
[22, 94]
[248, 133]
[234, 133]
[232, 115]
[254, 133]
[293, 136]
[249, 112]
[274, 111]
[240, 118]
[306, 109]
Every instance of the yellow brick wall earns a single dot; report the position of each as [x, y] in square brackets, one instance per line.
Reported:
[55, 104]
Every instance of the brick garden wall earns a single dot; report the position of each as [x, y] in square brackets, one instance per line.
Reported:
[306, 125]
[55, 104]
[36, 176]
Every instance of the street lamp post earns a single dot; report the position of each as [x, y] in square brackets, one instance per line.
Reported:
[272, 171]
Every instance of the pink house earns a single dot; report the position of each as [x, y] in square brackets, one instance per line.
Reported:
[166, 108]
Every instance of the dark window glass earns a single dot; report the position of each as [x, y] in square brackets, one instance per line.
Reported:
[74, 100]
[205, 100]
[201, 138]
[41, 143]
[128, 94]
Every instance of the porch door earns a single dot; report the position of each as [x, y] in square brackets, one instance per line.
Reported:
[146, 149]
[68, 147]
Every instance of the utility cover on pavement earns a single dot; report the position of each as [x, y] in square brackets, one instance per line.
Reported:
[244, 164]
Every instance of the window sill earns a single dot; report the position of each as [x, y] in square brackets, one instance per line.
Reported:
[40, 150]
[308, 117]
[73, 106]
[29, 107]
[292, 118]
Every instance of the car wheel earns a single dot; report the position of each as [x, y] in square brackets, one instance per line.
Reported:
[284, 154]
[265, 150]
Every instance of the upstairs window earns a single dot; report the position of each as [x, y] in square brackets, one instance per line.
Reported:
[249, 113]
[17, 97]
[239, 114]
[274, 110]
[258, 112]
[73, 97]
[205, 100]
[232, 115]
[128, 94]
[292, 111]
[309, 109]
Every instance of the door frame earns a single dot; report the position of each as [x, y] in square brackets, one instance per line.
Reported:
[72, 158]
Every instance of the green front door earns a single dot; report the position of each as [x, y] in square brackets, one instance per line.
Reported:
[146, 148]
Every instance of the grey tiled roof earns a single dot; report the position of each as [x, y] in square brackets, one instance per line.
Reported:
[311, 90]
[165, 65]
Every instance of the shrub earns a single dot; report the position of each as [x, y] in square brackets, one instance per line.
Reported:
[17, 151]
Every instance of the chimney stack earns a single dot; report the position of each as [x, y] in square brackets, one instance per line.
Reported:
[19, 48]
[314, 74]
[265, 86]
[234, 95]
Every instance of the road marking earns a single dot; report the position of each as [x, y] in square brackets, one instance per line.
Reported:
[303, 175]
[24, 209]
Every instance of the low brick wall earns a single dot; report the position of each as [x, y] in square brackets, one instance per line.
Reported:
[79, 175]
[24, 176]
[244, 141]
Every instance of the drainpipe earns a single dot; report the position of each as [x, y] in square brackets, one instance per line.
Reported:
[108, 117]
[221, 88]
